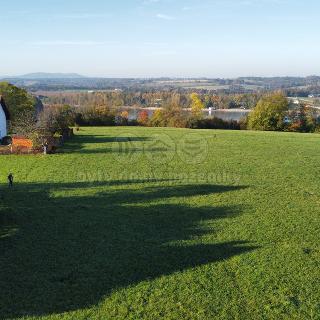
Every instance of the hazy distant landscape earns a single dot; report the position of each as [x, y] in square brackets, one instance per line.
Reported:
[299, 86]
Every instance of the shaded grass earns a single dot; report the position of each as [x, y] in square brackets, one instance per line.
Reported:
[141, 232]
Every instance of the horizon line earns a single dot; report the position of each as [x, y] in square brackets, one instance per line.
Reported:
[76, 75]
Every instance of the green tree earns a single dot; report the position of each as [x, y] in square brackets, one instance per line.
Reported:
[269, 113]
[18, 100]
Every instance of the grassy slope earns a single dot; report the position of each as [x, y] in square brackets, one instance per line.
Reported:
[117, 230]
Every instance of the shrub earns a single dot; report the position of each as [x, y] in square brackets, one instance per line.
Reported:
[143, 118]
[214, 123]
[170, 116]
[157, 119]
[303, 120]
[243, 123]
[95, 116]
[269, 113]
[122, 119]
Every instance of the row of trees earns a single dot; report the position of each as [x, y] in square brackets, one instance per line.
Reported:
[272, 113]
[114, 99]
[170, 115]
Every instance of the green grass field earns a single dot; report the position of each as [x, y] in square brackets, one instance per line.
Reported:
[150, 223]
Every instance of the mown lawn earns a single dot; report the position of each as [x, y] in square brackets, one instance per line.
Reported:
[141, 223]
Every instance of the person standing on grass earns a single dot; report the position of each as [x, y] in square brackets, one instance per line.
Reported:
[10, 180]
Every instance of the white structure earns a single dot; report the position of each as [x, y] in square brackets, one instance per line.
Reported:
[4, 118]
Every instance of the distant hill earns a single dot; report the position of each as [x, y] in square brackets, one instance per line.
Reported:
[44, 75]
[293, 86]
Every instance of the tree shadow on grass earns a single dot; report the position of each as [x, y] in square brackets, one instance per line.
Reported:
[72, 250]
[78, 144]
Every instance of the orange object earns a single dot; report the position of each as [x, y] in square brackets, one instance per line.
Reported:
[22, 142]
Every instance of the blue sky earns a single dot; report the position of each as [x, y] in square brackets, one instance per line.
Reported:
[150, 38]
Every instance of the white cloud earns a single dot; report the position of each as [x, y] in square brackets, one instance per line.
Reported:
[165, 17]
[82, 16]
[68, 43]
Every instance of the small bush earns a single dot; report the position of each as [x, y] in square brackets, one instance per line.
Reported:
[95, 117]
[214, 123]
[143, 118]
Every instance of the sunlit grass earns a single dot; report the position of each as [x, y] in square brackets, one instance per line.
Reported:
[151, 223]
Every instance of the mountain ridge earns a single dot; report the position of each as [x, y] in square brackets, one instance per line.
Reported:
[47, 75]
